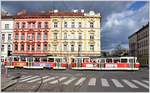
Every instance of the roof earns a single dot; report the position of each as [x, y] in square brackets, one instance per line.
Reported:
[6, 17]
[46, 14]
[146, 26]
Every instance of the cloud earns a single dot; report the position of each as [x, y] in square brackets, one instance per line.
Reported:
[120, 25]
[119, 18]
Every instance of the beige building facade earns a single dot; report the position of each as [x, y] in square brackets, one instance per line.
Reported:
[139, 45]
[75, 34]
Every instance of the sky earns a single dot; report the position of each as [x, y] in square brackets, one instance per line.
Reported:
[120, 19]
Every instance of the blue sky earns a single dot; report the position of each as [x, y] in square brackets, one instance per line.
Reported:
[119, 18]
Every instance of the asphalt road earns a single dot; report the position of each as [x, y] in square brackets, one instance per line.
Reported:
[84, 81]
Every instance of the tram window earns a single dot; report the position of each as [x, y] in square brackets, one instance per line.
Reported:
[23, 59]
[72, 60]
[37, 60]
[116, 60]
[109, 60]
[131, 60]
[123, 60]
[44, 59]
[16, 59]
[85, 60]
[58, 60]
[50, 59]
[103, 60]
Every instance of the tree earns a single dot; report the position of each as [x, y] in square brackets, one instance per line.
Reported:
[120, 51]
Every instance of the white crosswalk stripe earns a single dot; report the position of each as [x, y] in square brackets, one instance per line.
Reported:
[69, 81]
[37, 79]
[92, 82]
[104, 82]
[49, 79]
[130, 84]
[117, 83]
[29, 78]
[142, 84]
[146, 81]
[58, 80]
[80, 81]
[25, 77]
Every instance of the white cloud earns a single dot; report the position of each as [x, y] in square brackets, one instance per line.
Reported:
[120, 25]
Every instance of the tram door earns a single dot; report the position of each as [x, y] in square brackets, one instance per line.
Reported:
[131, 62]
[30, 61]
[79, 61]
[58, 62]
[102, 63]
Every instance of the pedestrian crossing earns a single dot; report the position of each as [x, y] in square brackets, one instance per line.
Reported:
[92, 81]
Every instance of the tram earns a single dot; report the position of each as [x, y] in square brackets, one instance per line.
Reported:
[111, 63]
[36, 62]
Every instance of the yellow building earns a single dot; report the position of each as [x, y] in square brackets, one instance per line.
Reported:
[74, 33]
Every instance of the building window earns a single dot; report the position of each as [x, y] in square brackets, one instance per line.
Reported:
[80, 36]
[22, 36]
[73, 36]
[23, 25]
[33, 25]
[17, 25]
[32, 36]
[73, 24]
[55, 35]
[55, 24]
[45, 47]
[9, 36]
[3, 36]
[28, 47]
[91, 36]
[39, 24]
[45, 36]
[91, 47]
[80, 25]
[29, 25]
[65, 47]
[91, 25]
[16, 47]
[65, 35]
[55, 47]
[65, 24]
[79, 47]
[32, 48]
[28, 37]
[38, 47]
[38, 36]
[6, 26]
[72, 48]
[46, 25]
[2, 48]
[22, 47]
[16, 36]
[9, 47]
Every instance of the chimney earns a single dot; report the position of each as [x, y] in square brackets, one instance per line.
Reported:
[55, 11]
[75, 11]
[82, 10]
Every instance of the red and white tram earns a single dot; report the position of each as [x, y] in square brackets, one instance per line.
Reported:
[112, 63]
[36, 62]
[15, 61]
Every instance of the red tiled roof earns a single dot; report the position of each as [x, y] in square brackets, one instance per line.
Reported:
[46, 14]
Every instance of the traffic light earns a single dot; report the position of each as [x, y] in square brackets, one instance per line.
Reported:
[9, 53]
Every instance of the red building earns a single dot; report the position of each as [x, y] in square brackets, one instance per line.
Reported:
[30, 35]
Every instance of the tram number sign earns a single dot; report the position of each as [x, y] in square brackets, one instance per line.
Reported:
[111, 65]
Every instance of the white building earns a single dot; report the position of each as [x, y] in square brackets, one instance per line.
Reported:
[6, 36]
